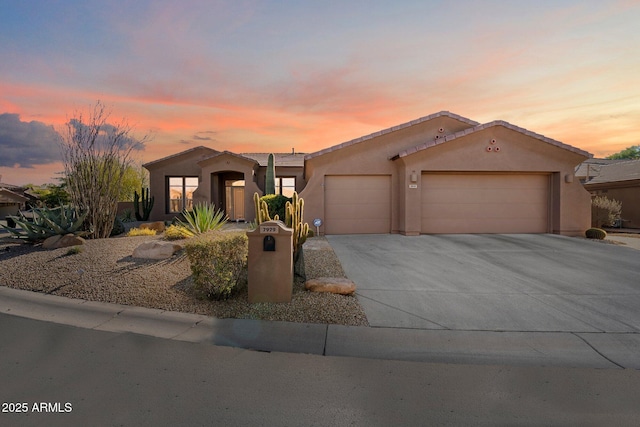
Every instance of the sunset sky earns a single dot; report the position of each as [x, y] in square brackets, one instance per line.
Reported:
[267, 76]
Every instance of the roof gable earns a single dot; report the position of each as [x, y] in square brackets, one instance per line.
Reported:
[208, 159]
[389, 130]
[206, 152]
[481, 127]
[7, 195]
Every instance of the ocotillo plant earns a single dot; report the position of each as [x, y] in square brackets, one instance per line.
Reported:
[147, 205]
[270, 184]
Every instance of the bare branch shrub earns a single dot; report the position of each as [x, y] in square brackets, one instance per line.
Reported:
[605, 212]
[96, 155]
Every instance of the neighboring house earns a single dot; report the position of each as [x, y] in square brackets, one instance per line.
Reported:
[442, 173]
[619, 180]
[590, 168]
[13, 198]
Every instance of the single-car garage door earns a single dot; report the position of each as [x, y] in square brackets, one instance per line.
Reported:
[357, 204]
[485, 203]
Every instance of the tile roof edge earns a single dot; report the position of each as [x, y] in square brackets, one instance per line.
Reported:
[507, 125]
[389, 130]
[171, 156]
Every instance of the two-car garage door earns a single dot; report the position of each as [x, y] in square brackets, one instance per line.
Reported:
[485, 203]
[450, 203]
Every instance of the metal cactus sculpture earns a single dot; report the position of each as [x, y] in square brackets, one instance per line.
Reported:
[294, 219]
[147, 205]
[270, 184]
[262, 210]
[294, 216]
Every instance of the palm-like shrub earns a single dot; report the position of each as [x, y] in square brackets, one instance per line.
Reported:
[202, 218]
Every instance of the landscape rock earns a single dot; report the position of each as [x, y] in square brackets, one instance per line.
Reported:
[335, 285]
[56, 242]
[156, 250]
[158, 226]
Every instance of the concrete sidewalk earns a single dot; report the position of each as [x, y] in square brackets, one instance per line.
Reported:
[549, 349]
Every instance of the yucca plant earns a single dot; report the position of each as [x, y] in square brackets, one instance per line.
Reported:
[202, 218]
[47, 222]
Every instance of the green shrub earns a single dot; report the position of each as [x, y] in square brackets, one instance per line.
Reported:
[203, 218]
[127, 216]
[276, 204]
[118, 227]
[141, 232]
[605, 212]
[74, 250]
[218, 262]
[47, 222]
[177, 232]
[595, 233]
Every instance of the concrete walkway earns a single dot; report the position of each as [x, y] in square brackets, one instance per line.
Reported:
[532, 349]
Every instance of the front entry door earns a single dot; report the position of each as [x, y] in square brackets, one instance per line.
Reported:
[235, 200]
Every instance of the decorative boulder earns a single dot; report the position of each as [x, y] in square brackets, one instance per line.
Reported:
[335, 285]
[56, 242]
[158, 226]
[156, 250]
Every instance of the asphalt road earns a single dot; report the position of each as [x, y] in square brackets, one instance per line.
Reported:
[68, 376]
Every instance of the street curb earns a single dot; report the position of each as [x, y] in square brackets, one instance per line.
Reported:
[559, 349]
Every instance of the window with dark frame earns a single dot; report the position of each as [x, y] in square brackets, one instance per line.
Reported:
[180, 193]
[285, 186]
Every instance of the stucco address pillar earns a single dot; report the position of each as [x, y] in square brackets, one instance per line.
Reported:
[270, 262]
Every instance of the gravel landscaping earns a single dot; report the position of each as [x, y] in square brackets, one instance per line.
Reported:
[103, 270]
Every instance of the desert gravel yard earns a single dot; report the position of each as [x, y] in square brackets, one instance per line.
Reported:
[105, 271]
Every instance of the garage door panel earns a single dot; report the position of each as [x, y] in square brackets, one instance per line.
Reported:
[357, 204]
[485, 203]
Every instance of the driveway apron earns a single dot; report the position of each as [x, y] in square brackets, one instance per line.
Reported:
[527, 282]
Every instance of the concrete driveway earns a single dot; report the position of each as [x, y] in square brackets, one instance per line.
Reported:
[494, 282]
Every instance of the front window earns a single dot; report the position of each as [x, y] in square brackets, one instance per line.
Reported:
[181, 190]
[285, 186]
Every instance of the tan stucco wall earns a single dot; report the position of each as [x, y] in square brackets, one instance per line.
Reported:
[181, 165]
[370, 157]
[517, 153]
[569, 204]
[229, 163]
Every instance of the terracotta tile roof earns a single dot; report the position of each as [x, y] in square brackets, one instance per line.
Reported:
[478, 128]
[389, 130]
[628, 170]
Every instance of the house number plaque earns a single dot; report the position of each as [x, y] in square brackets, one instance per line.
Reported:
[268, 229]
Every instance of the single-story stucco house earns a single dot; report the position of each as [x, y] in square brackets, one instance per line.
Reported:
[619, 180]
[13, 199]
[442, 173]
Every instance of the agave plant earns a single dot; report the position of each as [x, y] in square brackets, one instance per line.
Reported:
[47, 222]
[202, 218]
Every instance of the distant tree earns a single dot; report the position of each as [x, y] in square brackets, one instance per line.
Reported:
[52, 195]
[133, 180]
[96, 155]
[630, 153]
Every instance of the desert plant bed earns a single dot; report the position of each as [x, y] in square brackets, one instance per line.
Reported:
[105, 271]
